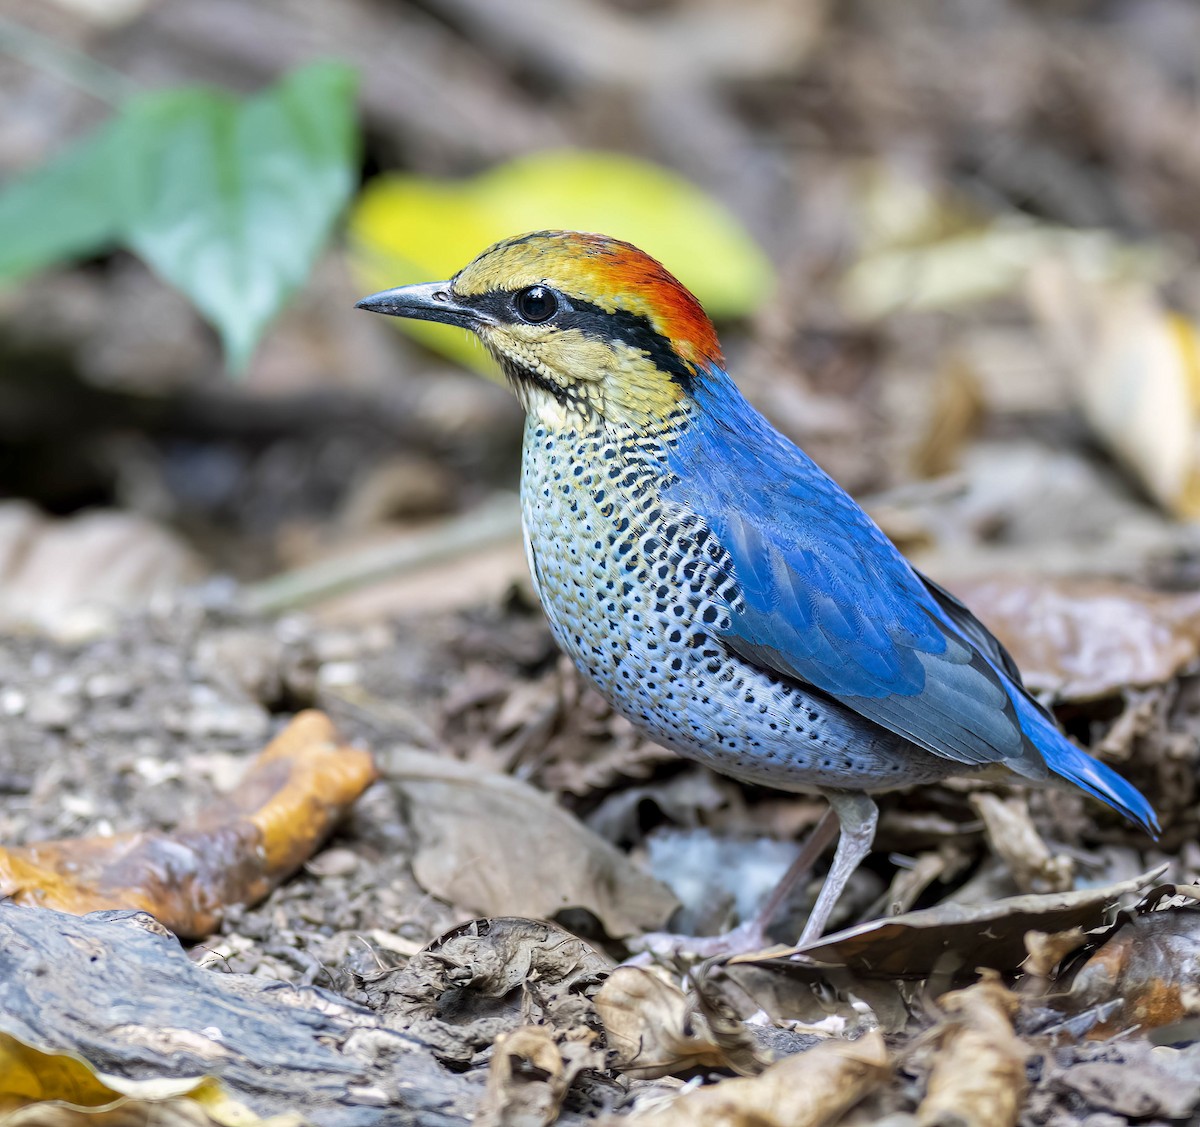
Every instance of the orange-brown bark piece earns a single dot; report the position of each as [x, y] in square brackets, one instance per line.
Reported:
[236, 852]
[1152, 965]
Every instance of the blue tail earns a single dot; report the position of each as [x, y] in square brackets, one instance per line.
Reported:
[1074, 764]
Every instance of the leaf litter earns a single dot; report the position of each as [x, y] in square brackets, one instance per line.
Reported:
[529, 1021]
[552, 1029]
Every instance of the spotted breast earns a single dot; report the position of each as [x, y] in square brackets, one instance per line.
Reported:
[637, 592]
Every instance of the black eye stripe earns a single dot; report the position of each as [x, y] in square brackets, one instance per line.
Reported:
[630, 328]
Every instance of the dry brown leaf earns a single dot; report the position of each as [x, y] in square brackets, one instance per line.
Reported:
[978, 1077]
[238, 850]
[1048, 949]
[955, 416]
[1013, 837]
[652, 1028]
[908, 883]
[1133, 1080]
[1082, 639]
[531, 1073]
[804, 1090]
[72, 577]
[953, 936]
[496, 845]
[749, 1045]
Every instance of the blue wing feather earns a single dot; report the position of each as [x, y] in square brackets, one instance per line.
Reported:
[828, 600]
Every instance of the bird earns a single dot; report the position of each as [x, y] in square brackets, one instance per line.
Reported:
[717, 587]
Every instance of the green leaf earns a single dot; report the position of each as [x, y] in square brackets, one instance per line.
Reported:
[235, 201]
[62, 211]
[410, 228]
[230, 201]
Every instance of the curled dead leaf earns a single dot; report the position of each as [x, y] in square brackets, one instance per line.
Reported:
[652, 1028]
[236, 852]
[530, 1074]
[806, 1089]
[749, 1046]
[1012, 835]
[952, 936]
[496, 845]
[1135, 365]
[1048, 949]
[955, 416]
[978, 1077]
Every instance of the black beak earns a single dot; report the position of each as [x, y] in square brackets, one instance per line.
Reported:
[428, 301]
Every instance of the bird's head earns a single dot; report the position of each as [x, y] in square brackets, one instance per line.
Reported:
[584, 326]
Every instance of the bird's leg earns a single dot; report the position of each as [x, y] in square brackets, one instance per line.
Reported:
[752, 935]
[857, 815]
[813, 847]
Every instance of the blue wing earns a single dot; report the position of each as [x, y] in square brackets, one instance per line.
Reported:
[827, 600]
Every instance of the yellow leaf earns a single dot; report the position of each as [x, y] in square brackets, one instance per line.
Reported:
[416, 229]
[30, 1077]
[27, 1075]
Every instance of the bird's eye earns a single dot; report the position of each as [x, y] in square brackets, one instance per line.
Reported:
[536, 304]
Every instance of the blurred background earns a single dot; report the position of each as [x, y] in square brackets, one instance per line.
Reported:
[951, 247]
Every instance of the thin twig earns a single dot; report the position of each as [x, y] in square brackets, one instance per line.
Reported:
[46, 54]
[495, 520]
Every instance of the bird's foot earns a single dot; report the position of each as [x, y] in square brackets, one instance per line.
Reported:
[666, 946]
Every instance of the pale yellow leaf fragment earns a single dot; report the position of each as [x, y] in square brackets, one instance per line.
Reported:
[978, 1078]
[40, 1088]
[531, 1072]
[406, 228]
[1135, 366]
[652, 1028]
[809, 1089]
